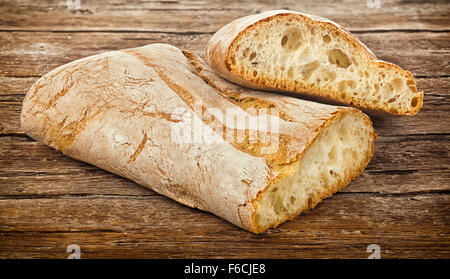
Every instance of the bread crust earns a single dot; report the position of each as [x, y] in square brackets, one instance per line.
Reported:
[220, 46]
[116, 110]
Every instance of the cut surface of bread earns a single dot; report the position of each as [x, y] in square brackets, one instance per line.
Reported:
[119, 110]
[323, 169]
[294, 52]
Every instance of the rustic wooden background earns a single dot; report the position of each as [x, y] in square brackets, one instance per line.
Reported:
[48, 201]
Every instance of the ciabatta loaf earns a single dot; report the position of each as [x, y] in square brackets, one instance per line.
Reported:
[313, 56]
[163, 119]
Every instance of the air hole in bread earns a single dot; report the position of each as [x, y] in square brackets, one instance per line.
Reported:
[338, 58]
[345, 85]
[228, 66]
[326, 39]
[330, 76]
[377, 87]
[390, 87]
[398, 84]
[332, 155]
[391, 100]
[292, 39]
[284, 40]
[414, 102]
[309, 68]
[245, 52]
[233, 60]
[252, 56]
[291, 72]
[351, 83]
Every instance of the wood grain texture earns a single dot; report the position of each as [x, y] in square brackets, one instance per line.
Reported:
[156, 227]
[207, 16]
[48, 201]
[31, 175]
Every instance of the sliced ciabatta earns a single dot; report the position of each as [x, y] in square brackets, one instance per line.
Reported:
[163, 119]
[295, 52]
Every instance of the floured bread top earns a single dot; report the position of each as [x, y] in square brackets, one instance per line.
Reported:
[118, 110]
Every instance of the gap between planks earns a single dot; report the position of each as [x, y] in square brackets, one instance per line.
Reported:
[355, 31]
[158, 196]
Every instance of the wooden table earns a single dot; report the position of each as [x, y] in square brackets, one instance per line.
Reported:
[49, 201]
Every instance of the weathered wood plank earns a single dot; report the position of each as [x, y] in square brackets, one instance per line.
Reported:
[48, 201]
[208, 16]
[400, 165]
[31, 54]
[432, 119]
[155, 227]
[98, 244]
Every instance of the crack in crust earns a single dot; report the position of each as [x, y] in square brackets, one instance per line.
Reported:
[276, 161]
[140, 147]
[62, 141]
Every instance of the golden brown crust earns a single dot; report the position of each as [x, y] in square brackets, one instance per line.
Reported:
[220, 51]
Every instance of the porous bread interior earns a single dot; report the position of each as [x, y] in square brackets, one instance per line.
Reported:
[337, 156]
[299, 56]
